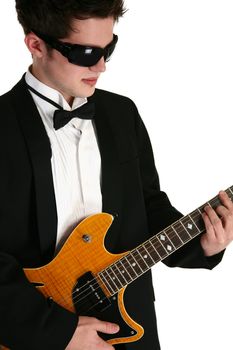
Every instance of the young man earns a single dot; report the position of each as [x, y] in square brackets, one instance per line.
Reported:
[58, 168]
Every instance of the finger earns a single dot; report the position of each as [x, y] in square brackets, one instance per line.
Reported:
[209, 227]
[227, 220]
[213, 217]
[106, 327]
[217, 224]
[222, 211]
[225, 199]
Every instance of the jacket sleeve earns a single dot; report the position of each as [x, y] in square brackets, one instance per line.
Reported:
[28, 320]
[160, 212]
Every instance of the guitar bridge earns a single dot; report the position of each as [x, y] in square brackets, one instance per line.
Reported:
[88, 296]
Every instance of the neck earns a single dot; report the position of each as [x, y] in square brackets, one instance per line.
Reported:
[43, 79]
[158, 247]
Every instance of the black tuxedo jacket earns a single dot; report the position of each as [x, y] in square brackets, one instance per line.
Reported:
[28, 218]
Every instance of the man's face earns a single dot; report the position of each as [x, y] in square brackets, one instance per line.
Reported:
[54, 70]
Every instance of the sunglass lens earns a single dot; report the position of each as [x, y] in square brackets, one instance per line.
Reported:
[109, 50]
[86, 58]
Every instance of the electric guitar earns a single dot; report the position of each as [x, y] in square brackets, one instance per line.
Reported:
[85, 278]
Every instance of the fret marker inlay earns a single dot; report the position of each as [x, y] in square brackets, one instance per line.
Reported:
[155, 249]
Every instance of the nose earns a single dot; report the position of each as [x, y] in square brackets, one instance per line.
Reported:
[100, 66]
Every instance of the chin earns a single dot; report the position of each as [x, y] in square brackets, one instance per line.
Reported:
[86, 92]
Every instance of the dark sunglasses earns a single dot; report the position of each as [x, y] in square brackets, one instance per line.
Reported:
[81, 55]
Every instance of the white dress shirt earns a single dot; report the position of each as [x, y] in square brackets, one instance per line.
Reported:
[75, 162]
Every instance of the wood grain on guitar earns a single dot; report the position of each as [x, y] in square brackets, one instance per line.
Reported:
[85, 278]
[74, 280]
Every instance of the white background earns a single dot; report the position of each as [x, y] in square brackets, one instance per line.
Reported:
[174, 59]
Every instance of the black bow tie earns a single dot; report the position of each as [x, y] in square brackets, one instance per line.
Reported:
[61, 117]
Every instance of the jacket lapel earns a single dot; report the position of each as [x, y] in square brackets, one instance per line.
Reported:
[111, 179]
[39, 150]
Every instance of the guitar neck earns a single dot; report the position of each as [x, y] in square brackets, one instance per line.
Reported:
[160, 246]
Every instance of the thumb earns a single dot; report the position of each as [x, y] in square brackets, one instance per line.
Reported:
[106, 327]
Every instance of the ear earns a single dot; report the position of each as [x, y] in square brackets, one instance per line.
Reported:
[35, 45]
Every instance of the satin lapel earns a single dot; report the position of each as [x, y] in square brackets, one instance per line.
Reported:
[40, 154]
[111, 179]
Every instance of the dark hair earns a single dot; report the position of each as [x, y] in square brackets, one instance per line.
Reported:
[54, 17]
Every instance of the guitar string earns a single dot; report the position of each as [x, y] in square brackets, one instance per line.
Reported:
[80, 299]
[140, 258]
[109, 278]
[176, 234]
[119, 274]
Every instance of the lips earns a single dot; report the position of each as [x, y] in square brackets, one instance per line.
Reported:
[90, 81]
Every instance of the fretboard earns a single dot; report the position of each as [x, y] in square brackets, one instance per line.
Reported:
[160, 246]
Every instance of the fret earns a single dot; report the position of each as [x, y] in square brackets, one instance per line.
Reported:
[147, 256]
[194, 221]
[231, 192]
[115, 278]
[111, 279]
[119, 274]
[197, 218]
[199, 209]
[158, 245]
[183, 232]
[124, 271]
[214, 202]
[173, 236]
[143, 262]
[136, 262]
[165, 242]
[157, 248]
[129, 267]
[106, 282]
[189, 226]
[152, 250]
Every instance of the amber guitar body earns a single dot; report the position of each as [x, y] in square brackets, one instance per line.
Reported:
[85, 278]
[84, 252]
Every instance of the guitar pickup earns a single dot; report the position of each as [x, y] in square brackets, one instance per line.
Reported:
[88, 296]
